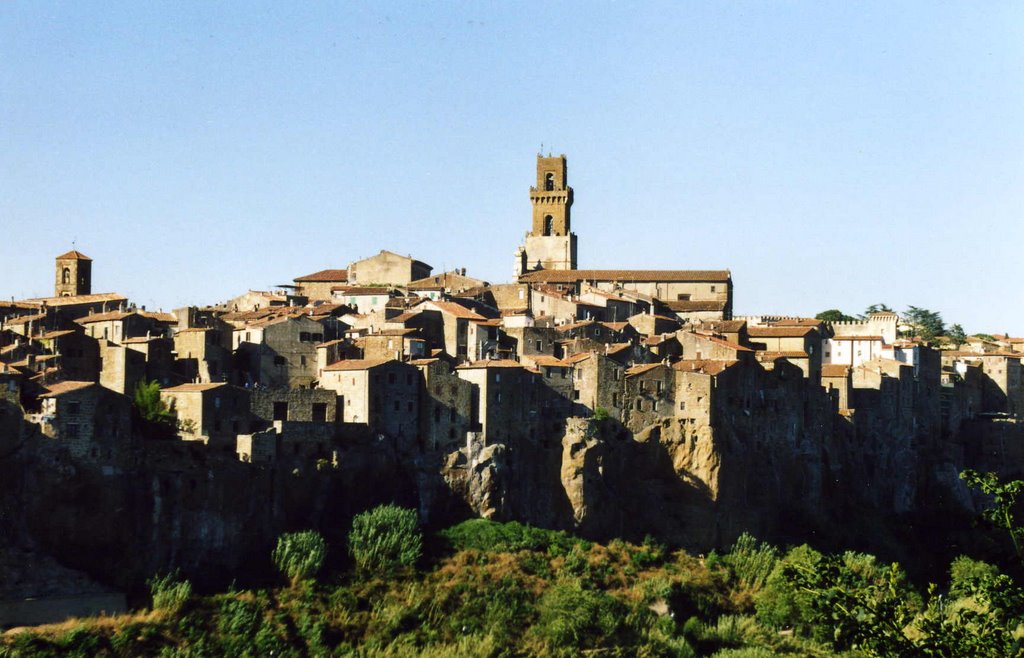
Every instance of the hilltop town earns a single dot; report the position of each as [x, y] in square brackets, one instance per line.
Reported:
[611, 402]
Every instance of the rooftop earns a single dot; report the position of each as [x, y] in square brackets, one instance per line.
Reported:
[634, 276]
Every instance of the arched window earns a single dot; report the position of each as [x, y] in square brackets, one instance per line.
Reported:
[549, 182]
[65, 276]
[548, 224]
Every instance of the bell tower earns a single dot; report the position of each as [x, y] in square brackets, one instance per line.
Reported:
[74, 275]
[550, 244]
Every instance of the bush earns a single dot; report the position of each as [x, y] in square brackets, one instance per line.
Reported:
[169, 592]
[572, 617]
[965, 573]
[484, 535]
[300, 555]
[750, 561]
[779, 603]
[384, 538]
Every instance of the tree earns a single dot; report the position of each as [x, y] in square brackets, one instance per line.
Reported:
[956, 335]
[300, 555]
[149, 404]
[834, 315]
[385, 538]
[1004, 501]
[877, 308]
[924, 324]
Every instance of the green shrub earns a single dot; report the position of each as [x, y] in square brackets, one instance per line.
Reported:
[965, 573]
[750, 561]
[384, 538]
[170, 592]
[484, 535]
[779, 603]
[573, 617]
[300, 555]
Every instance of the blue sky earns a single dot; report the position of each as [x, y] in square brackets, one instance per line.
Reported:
[831, 154]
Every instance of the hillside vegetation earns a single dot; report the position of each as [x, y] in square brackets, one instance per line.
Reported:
[490, 589]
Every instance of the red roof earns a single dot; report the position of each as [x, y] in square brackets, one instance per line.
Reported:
[325, 276]
[572, 276]
[73, 255]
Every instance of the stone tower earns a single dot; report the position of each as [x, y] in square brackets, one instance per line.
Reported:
[74, 274]
[550, 244]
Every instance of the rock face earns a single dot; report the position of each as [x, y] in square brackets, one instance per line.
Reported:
[689, 484]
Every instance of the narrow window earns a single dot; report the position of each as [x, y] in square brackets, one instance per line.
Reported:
[549, 183]
[548, 225]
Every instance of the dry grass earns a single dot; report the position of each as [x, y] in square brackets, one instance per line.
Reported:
[102, 624]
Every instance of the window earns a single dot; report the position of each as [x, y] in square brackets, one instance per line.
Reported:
[304, 336]
[654, 405]
[497, 398]
[540, 346]
[643, 386]
[639, 404]
[658, 386]
[576, 394]
[497, 377]
[65, 277]
[319, 412]
[302, 360]
[682, 405]
[548, 224]
[615, 399]
[280, 411]
[682, 297]
[280, 361]
[216, 403]
[549, 184]
[712, 289]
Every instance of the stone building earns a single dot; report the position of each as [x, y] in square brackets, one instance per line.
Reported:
[446, 406]
[201, 355]
[550, 244]
[94, 423]
[303, 405]
[214, 413]
[278, 352]
[665, 285]
[506, 397]
[122, 368]
[381, 394]
[318, 285]
[74, 275]
[387, 268]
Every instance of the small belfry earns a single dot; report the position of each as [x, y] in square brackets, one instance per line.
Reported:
[74, 275]
[550, 244]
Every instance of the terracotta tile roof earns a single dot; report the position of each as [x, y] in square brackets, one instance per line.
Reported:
[779, 332]
[49, 335]
[550, 361]
[577, 357]
[405, 317]
[488, 322]
[687, 306]
[324, 276]
[193, 388]
[25, 319]
[614, 348]
[353, 291]
[330, 342]
[616, 326]
[192, 330]
[451, 308]
[79, 299]
[105, 317]
[980, 355]
[357, 364]
[423, 362]
[765, 355]
[53, 390]
[395, 332]
[160, 316]
[632, 276]
[834, 370]
[574, 325]
[490, 363]
[730, 345]
[704, 366]
[76, 255]
[641, 369]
